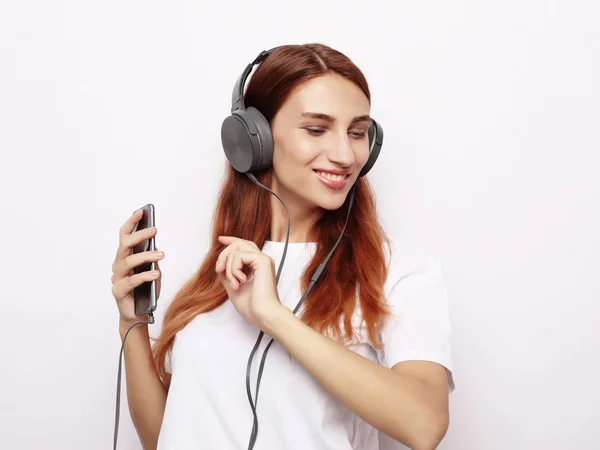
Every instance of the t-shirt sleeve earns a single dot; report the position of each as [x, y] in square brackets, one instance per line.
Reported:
[419, 325]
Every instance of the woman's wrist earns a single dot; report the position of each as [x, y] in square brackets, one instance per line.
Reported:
[277, 319]
[125, 325]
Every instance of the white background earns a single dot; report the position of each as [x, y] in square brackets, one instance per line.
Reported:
[491, 162]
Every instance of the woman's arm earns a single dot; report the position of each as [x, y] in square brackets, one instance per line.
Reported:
[408, 402]
[146, 395]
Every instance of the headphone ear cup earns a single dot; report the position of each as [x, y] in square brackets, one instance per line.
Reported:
[237, 142]
[247, 140]
[375, 144]
[265, 138]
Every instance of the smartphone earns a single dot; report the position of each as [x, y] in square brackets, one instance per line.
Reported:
[144, 296]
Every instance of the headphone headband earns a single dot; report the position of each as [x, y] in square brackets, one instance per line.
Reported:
[237, 97]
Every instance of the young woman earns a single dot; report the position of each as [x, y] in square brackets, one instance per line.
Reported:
[369, 348]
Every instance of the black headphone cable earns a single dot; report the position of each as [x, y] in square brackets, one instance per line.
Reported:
[314, 278]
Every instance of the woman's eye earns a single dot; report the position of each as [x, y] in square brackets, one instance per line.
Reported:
[320, 131]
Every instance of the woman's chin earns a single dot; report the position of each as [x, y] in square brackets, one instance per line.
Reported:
[332, 203]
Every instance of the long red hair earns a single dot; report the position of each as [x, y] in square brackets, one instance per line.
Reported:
[358, 264]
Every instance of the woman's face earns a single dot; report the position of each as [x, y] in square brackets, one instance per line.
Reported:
[321, 143]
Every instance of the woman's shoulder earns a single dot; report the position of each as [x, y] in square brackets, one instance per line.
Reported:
[405, 258]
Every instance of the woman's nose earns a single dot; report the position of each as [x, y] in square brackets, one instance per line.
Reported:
[341, 151]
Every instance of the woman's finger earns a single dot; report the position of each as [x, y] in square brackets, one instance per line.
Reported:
[242, 244]
[128, 241]
[223, 257]
[234, 246]
[241, 276]
[231, 266]
[125, 230]
[123, 267]
[237, 266]
[129, 225]
[124, 286]
[226, 262]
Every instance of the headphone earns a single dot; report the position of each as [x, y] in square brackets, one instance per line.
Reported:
[247, 138]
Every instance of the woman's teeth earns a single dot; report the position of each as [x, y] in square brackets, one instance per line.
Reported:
[331, 176]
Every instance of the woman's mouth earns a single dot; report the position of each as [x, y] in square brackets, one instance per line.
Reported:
[331, 180]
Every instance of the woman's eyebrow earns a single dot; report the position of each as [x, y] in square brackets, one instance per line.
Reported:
[331, 119]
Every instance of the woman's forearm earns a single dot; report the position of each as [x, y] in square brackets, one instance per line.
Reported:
[146, 395]
[399, 405]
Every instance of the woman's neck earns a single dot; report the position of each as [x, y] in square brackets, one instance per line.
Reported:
[301, 224]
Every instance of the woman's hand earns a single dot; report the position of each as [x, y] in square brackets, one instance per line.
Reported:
[255, 297]
[123, 279]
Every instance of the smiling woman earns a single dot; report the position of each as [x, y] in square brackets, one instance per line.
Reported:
[367, 346]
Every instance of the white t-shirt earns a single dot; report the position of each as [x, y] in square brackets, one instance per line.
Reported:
[207, 407]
